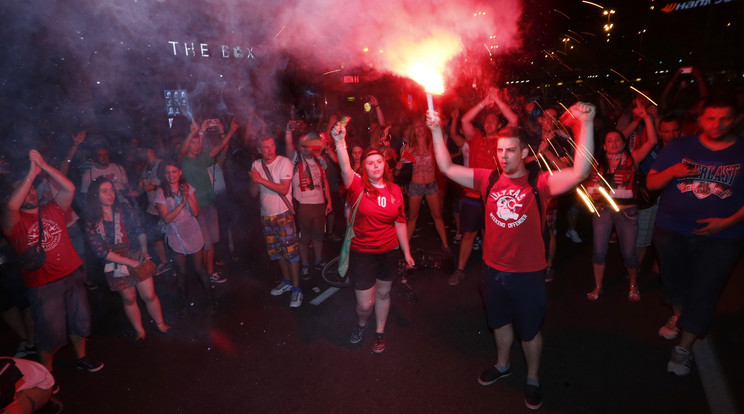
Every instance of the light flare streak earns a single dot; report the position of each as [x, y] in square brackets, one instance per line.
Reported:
[609, 199]
[643, 95]
[587, 200]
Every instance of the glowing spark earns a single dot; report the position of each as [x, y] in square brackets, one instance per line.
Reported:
[609, 199]
[644, 95]
[605, 181]
[546, 164]
[280, 31]
[587, 200]
[567, 111]
[564, 14]
[618, 74]
[487, 49]
[332, 71]
[592, 4]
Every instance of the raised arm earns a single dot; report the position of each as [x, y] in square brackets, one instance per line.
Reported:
[225, 140]
[66, 187]
[76, 141]
[457, 173]
[652, 138]
[376, 105]
[195, 129]
[338, 132]
[582, 123]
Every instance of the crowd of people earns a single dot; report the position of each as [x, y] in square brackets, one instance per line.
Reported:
[506, 170]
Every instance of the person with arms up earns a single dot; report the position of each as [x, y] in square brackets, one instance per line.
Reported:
[380, 236]
[513, 250]
[56, 290]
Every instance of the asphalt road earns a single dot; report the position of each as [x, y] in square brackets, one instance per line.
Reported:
[259, 356]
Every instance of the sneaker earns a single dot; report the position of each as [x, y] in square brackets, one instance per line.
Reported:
[573, 236]
[305, 273]
[458, 238]
[456, 277]
[89, 364]
[217, 277]
[680, 362]
[24, 350]
[379, 346]
[492, 375]
[533, 397]
[296, 299]
[670, 330]
[283, 286]
[357, 334]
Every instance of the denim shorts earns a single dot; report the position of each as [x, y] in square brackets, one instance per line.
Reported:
[422, 189]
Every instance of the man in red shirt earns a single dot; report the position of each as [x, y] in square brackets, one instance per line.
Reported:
[56, 290]
[513, 251]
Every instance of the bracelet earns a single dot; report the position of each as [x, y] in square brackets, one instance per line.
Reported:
[28, 180]
[341, 145]
[68, 160]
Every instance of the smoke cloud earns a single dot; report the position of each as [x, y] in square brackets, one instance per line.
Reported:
[103, 65]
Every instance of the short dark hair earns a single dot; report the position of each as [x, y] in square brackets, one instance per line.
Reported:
[719, 102]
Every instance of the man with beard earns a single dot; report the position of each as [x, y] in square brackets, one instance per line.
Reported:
[56, 291]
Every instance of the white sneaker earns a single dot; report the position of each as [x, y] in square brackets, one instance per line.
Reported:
[283, 286]
[574, 236]
[680, 362]
[295, 300]
[670, 330]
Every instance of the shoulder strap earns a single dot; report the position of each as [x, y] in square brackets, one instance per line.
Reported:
[283, 196]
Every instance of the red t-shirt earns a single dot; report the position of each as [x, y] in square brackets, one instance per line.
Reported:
[513, 236]
[374, 225]
[481, 156]
[61, 257]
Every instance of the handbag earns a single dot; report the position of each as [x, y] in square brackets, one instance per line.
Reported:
[34, 257]
[343, 257]
[142, 272]
[644, 198]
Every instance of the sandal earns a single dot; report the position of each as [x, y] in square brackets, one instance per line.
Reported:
[594, 294]
[634, 295]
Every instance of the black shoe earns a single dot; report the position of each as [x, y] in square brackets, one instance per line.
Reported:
[357, 335]
[533, 397]
[492, 375]
[89, 364]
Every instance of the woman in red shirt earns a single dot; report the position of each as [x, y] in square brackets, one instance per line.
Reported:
[379, 233]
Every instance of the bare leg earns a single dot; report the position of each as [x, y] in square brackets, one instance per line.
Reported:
[78, 345]
[434, 203]
[414, 205]
[159, 247]
[146, 290]
[504, 337]
[598, 277]
[209, 260]
[532, 351]
[466, 247]
[131, 309]
[365, 301]
[382, 303]
[304, 253]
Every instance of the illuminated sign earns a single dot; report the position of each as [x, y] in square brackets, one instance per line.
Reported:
[203, 50]
[692, 4]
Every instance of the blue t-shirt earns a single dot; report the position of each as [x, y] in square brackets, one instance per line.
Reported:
[718, 192]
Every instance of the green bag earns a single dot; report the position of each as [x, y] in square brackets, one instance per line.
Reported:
[343, 257]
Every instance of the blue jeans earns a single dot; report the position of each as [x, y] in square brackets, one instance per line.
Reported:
[694, 269]
[625, 223]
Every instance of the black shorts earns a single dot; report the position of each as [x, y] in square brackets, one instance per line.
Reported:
[367, 268]
[515, 298]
